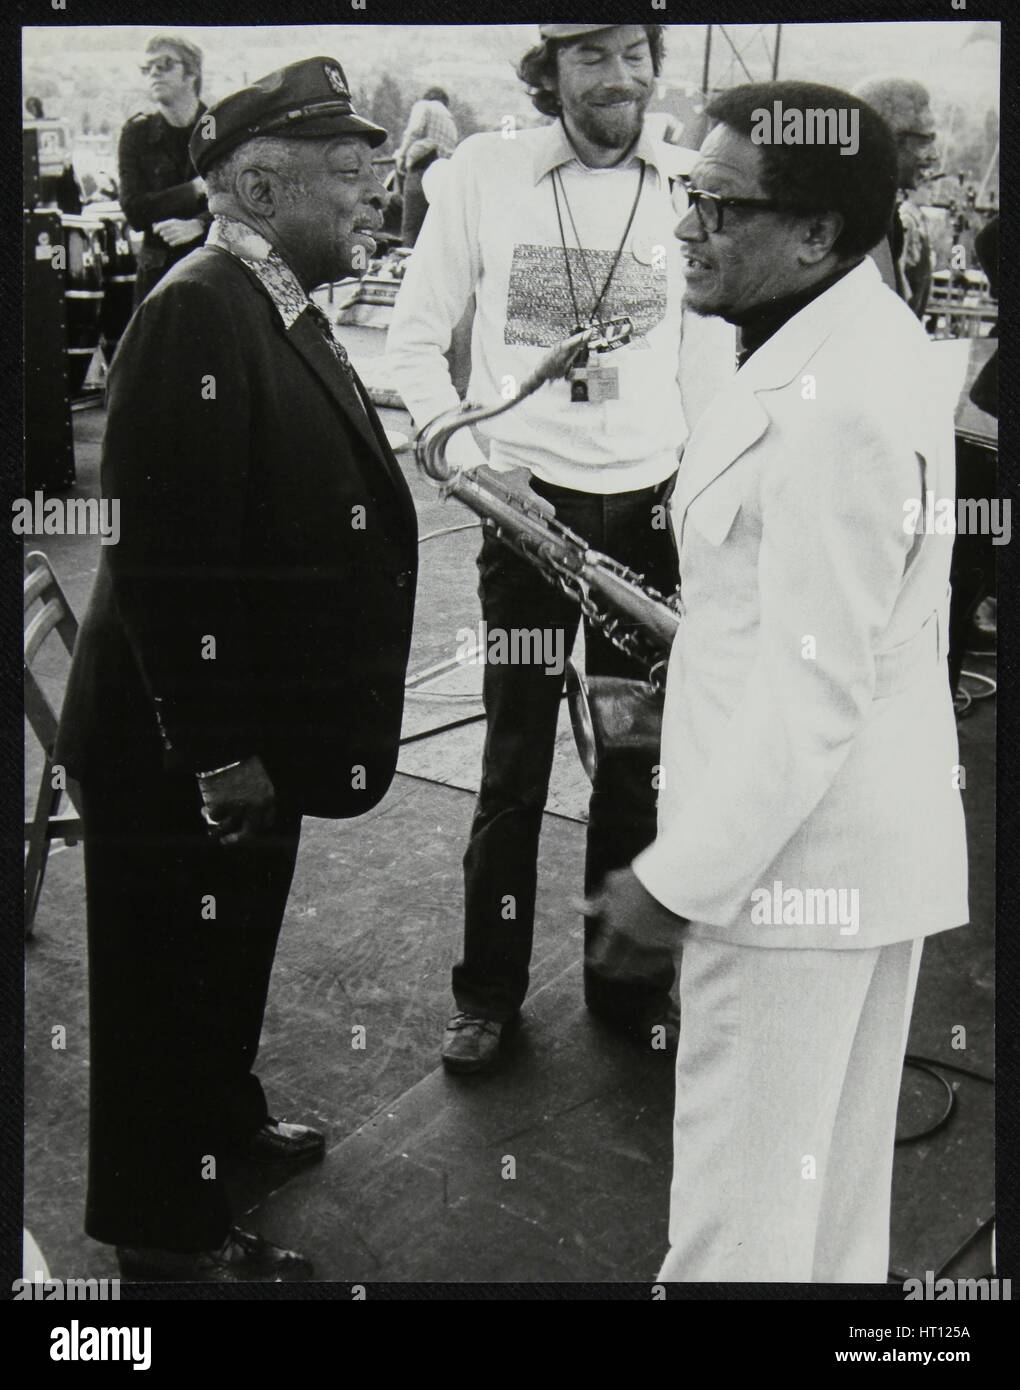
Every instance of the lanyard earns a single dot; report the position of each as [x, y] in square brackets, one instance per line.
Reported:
[557, 178]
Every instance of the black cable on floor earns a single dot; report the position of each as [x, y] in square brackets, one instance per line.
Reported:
[441, 728]
[928, 1065]
[453, 724]
[951, 1066]
[921, 1064]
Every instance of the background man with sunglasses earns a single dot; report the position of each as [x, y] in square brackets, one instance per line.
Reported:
[811, 831]
[160, 192]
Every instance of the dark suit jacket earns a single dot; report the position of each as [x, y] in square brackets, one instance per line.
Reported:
[264, 519]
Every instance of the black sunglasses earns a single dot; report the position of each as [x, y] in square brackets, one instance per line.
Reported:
[709, 206]
[158, 66]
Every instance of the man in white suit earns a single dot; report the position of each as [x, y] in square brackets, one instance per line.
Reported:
[810, 828]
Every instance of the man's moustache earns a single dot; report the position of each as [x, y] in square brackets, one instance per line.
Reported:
[620, 94]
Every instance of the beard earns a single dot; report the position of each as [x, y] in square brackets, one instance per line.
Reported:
[611, 127]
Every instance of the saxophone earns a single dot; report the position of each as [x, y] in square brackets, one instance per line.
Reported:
[612, 717]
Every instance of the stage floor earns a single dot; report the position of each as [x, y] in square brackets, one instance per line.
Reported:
[412, 1187]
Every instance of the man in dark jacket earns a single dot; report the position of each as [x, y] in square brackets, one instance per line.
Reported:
[241, 664]
[160, 192]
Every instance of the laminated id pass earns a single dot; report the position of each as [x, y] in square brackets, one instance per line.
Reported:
[603, 384]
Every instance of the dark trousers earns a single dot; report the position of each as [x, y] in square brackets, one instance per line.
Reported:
[181, 938]
[522, 704]
[416, 205]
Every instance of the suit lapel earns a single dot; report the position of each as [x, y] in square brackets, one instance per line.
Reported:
[306, 339]
[353, 400]
[736, 418]
[733, 421]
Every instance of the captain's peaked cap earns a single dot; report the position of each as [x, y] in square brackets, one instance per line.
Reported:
[307, 100]
[571, 31]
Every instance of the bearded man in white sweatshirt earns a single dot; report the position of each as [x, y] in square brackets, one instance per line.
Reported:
[552, 229]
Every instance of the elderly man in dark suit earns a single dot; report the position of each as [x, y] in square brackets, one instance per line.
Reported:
[241, 664]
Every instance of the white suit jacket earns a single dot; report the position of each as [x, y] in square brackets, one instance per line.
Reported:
[809, 739]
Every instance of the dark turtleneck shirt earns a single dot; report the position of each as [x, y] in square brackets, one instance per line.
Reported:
[757, 325]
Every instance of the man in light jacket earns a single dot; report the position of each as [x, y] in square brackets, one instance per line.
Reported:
[811, 831]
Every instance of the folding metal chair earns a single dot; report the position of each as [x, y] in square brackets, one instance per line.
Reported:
[47, 824]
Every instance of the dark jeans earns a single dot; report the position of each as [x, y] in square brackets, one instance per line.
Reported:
[522, 704]
[176, 999]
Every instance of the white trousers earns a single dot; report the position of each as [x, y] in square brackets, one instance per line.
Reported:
[787, 1082]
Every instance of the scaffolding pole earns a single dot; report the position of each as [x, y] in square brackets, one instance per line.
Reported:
[706, 71]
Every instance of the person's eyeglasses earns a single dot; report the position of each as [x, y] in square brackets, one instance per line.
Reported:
[709, 206]
[926, 137]
[158, 66]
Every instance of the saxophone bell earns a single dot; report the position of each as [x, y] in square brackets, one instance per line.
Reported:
[614, 720]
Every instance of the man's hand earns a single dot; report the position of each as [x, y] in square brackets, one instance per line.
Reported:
[518, 480]
[625, 909]
[239, 803]
[178, 231]
[463, 452]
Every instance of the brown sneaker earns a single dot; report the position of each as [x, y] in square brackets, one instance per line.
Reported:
[471, 1043]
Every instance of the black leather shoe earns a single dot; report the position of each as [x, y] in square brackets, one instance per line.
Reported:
[242, 1258]
[281, 1143]
[655, 1026]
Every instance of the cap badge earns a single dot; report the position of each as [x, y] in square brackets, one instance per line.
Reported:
[335, 79]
